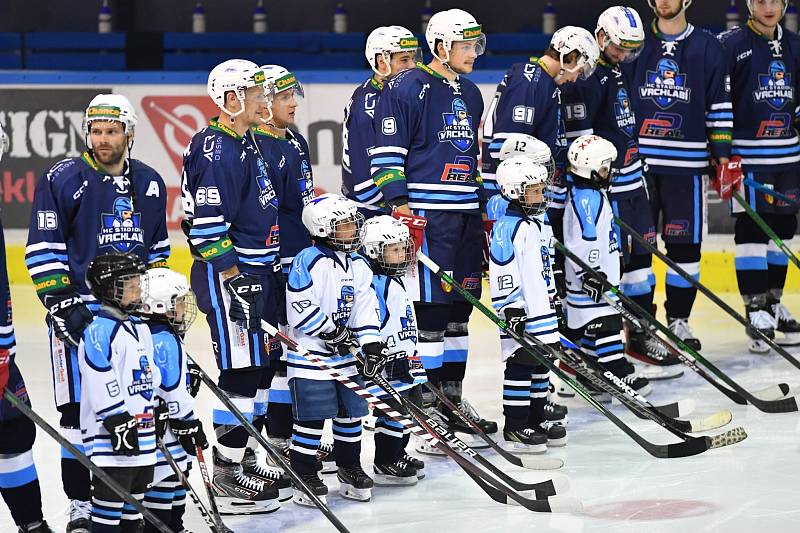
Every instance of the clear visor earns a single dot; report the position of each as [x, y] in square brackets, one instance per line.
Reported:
[477, 45]
[625, 52]
[584, 68]
[295, 91]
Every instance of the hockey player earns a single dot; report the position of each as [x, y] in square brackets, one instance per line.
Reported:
[684, 118]
[390, 250]
[425, 163]
[521, 243]
[389, 50]
[101, 202]
[765, 68]
[169, 307]
[528, 100]
[232, 220]
[330, 308]
[19, 481]
[589, 233]
[119, 403]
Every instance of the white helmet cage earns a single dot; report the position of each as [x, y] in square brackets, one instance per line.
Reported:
[451, 26]
[591, 155]
[381, 232]
[110, 107]
[388, 40]
[324, 215]
[623, 29]
[235, 75]
[531, 147]
[515, 175]
[750, 7]
[572, 38]
[167, 289]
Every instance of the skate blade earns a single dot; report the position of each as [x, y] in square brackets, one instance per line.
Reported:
[383, 480]
[235, 506]
[301, 498]
[557, 443]
[728, 438]
[472, 440]
[788, 339]
[285, 494]
[349, 492]
[518, 448]
[421, 473]
[329, 468]
[659, 373]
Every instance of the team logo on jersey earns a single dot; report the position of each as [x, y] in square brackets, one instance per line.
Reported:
[142, 380]
[666, 125]
[267, 195]
[471, 282]
[458, 126]
[408, 326]
[306, 182]
[460, 171]
[626, 121]
[344, 305]
[778, 125]
[545, 252]
[666, 85]
[775, 88]
[122, 229]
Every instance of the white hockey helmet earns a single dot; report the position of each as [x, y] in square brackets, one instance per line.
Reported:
[451, 26]
[235, 75]
[279, 79]
[590, 157]
[388, 40]
[750, 6]
[3, 142]
[686, 4]
[515, 175]
[110, 107]
[572, 38]
[532, 148]
[385, 231]
[169, 298]
[324, 215]
[624, 32]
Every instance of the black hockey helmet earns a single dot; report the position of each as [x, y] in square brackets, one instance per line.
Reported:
[109, 275]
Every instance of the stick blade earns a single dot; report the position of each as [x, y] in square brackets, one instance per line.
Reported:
[681, 408]
[715, 421]
[728, 438]
[541, 463]
[565, 504]
[775, 392]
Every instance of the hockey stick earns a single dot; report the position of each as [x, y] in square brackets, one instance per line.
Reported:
[276, 455]
[532, 463]
[598, 376]
[96, 471]
[770, 192]
[214, 522]
[641, 316]
[430, 430]
[705, 290]
[212, 499]
[690, 446]
[766, 229]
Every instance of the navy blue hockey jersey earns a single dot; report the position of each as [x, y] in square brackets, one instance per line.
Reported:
[426, 141]
[358, 137]
[682, 100]
[79, 212]
[602, 105]
[294, 182]
[527, 101]
[764, 84]
[229, 198]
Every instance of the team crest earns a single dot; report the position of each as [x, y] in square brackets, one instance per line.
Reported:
[458, 126]
[142, 380]
[122, 229]
[775, 88]
[344, 305]
[666, 85]
[626, 121]
[409, 328]
[306, 182]
[546, 271]
[266, 196]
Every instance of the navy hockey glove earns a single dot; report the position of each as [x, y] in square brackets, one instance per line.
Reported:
[124, 433]
[190, 434]
[244, 291]
[515, 319]
[193, 379]
[594, 286]
[340, 340]
[375, 355]
[560, 279]
[558, 307]
[68, 316]
[161, 418]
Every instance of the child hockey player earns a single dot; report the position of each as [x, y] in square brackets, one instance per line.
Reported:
[589, 233]
[390, 249]
[118, 399]
[170, 309]
[520, 247]
[330, 308]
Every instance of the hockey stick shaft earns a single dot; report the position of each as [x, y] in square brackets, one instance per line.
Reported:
[766, 190]
[705, 290]
[212, 499]
[276, 455]
[213, 525]
[96, 471]
[780, 406]
[693, 446]
[766, 229]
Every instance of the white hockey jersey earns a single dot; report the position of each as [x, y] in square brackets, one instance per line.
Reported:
[398, 330]
[589, 233]
[118, 375]
[326, 287]
[170, 358]
[521, 277]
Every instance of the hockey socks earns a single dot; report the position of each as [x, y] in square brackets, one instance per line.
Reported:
[306, 436]
[347, 441]
[389, 440]
[19, 486]
[680, 293]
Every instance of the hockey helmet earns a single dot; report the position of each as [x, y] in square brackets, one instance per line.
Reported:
[387, 243]
[515, 175]
[590, 158]
[110, 107]
[785, 5]
[570, 39]
[324, 217]
[624, 32]
[388, 40]
[279, 79]
[451, 26]
[531, 147]
[118, 280]
[235, 75]
[684, 7]
[169, 298]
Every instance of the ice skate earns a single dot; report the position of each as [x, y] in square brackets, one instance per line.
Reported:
[354, 483]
